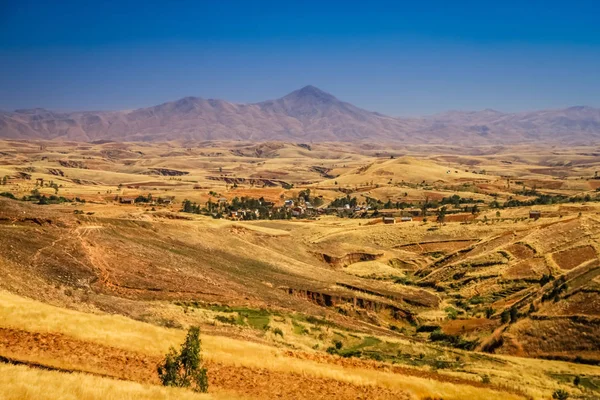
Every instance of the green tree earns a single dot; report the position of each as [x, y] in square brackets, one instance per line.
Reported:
[505, 316]
[441, 215]
[185, 369]
[424, 207]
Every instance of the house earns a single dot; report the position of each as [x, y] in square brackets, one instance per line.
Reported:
[535, 214]
[405, 219]
[389, 220]
[289, 203]
[222, 201]
[297, 211]
[126, 200]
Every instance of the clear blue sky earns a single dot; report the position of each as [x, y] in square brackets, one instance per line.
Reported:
[398, 58]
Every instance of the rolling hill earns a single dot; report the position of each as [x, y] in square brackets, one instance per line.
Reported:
[308, 114]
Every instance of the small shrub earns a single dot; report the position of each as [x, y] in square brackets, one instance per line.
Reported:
[452, 313]
[226, 320]
[560, 395]
[8, 194]
[278, 331]
[185, 369]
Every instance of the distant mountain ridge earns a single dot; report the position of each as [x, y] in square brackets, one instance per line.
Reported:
[308, 114]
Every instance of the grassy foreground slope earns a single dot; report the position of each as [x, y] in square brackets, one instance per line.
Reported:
[119, 332]
[234, 363]
[18, 382]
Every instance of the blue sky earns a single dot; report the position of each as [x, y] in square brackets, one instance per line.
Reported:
[398, 58]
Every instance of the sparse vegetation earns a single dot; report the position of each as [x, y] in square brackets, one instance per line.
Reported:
[185, 369]
[560, 394]
[416, 295]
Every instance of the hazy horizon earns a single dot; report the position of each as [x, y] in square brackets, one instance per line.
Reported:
[283, 95]
[399, 60]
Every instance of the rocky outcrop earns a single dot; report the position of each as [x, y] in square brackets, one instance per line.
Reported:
[249, 181]
[323, 171]
[165, 172]
[72, 164]
[56, 172]
[350, 258]
[360, 303]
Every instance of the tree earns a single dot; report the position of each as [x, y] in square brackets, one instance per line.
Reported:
[185, 369]
[424, 207]
[441, 215]
[505, 316]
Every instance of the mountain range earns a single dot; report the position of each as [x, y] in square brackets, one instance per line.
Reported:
[308, 115]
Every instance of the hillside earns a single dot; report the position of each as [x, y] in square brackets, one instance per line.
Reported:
[333, 303]
[306, 115]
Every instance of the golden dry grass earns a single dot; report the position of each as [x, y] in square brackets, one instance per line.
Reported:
[20, 313]
[293, 248]
[19, 382]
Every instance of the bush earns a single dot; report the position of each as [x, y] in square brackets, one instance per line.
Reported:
[226, 320]
[278, 331]
[8, 194]
[185, 369]
[560, 395]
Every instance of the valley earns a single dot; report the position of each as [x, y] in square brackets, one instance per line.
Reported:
[364, 271]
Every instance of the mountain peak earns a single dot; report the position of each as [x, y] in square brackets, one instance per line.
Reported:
[311, 92]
